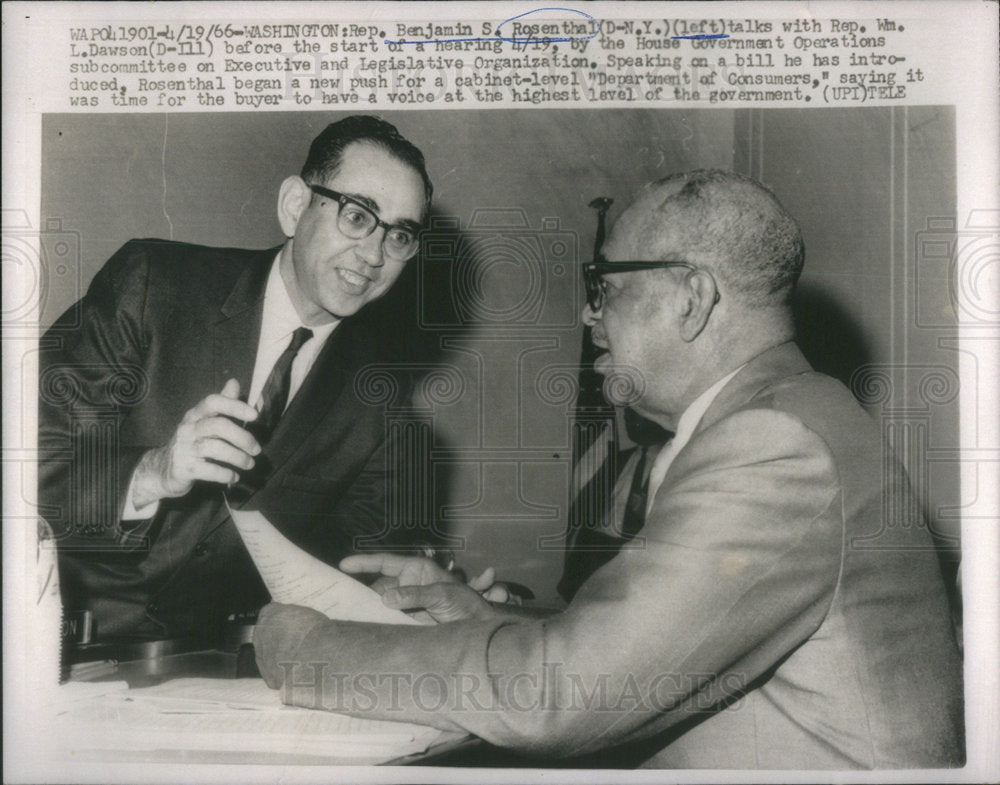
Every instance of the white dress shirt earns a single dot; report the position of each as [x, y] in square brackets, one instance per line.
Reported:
[279, 321]
[685, 429]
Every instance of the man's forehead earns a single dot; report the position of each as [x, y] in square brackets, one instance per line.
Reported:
[646, 231]
[380, 180]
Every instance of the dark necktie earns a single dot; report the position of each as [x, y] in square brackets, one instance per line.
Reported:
[274, 396]
[273, 399]
[590, 548]
[635, 506]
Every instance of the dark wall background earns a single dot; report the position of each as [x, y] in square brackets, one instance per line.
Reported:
[511, 190]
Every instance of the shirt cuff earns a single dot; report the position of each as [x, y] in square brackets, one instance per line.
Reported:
[131, 512]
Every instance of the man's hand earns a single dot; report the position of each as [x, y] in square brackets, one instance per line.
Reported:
[444, 602]
[409, 582]
[493, 591]
[207, 445]
[395, 569]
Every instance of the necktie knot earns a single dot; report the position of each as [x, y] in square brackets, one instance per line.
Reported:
[299, 337]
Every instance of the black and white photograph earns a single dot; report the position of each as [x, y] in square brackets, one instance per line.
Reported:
[643, 357]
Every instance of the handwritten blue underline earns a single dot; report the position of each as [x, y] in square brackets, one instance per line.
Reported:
[509, 39]
[531, 39]
[516, 39]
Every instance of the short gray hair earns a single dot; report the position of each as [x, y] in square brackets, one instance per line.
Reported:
[738, 229]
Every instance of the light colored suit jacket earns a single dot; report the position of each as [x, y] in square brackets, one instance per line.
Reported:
[785, 610]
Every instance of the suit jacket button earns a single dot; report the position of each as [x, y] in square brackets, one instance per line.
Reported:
[152, 607]
[200, 549]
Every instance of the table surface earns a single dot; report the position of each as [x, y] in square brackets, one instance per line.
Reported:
[155, 670]
[455, 750]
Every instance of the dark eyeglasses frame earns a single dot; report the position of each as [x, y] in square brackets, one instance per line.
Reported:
[343, 199]
[592, 272]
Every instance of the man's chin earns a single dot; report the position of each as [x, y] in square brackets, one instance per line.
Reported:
[343, 305]
[603, 364]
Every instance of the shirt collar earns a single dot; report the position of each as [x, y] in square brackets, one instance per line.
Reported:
[685, 429]
[280, 318]
[692, 415]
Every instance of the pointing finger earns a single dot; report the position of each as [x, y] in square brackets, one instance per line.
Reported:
[484, 581]
[390, 564]
[231, 389]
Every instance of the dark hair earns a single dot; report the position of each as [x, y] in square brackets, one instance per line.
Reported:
[327, 150]
[738, 226]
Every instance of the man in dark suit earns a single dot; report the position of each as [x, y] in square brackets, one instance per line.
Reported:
[781, 606]
[195, 369]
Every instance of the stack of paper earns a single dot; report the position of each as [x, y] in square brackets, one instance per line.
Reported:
[230, 720]
[224, 719]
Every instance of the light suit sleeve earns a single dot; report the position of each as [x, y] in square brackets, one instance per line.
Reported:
[736, 566]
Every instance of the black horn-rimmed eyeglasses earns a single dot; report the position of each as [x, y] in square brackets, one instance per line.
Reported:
[357, 221]
[593, 279]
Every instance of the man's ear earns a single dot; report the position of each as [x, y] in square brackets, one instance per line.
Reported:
[293, 198]
[700, 297]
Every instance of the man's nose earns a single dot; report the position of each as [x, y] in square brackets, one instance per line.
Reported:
[370, 248]
[590, 316]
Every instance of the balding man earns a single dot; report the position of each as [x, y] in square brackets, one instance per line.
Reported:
[757, 621]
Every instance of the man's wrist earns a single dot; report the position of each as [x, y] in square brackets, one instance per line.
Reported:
[146, 489]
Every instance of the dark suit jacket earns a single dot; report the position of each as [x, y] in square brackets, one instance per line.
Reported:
[786, 610]
[162, 325]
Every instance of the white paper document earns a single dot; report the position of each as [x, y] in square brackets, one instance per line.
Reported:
[225, 716]
[294, 577]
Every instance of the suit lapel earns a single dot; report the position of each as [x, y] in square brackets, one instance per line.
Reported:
[237, 332]
[236, 335]
[334, 367]
[767, 367]
[343, 354]
[778, 362]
